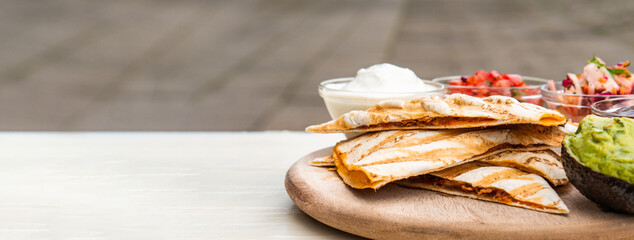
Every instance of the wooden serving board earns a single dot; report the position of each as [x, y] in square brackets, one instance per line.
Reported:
[395, 212]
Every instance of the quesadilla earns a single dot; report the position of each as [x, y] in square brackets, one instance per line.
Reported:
[482, 181]
[433, 112]
[545, 163]
[375, 159]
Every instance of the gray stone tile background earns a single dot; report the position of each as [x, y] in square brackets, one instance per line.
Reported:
[75, 65]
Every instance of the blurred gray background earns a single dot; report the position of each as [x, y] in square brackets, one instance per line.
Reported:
[255, 65]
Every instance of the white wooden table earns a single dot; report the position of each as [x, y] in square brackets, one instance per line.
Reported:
[139, 185]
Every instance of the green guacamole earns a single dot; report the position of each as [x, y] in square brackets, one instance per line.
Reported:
[605, 145]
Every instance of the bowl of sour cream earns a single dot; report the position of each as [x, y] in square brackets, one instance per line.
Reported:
[372, 85]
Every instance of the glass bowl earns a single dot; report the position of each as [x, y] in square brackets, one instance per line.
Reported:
[340, 101]
[617, 106]
[574, 106]
[528, 94]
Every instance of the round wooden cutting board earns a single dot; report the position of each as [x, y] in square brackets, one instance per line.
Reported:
[395, 212]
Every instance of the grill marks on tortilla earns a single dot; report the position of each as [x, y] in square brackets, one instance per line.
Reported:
[428, 148]
[374, 159]
[492, 183]
[526, 191]
[545, 163]
[453, 112]
[391, 141]
[548, 135]
[501, 175]
[522, 186]
[438, 136]
[378, 143]
[451, 173]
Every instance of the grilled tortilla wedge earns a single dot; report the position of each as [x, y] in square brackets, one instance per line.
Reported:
[375, 159]
[499, 184]
[433, 112]
[545, 163]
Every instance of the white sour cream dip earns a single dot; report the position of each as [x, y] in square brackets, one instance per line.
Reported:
[372, 85]
[386, 78]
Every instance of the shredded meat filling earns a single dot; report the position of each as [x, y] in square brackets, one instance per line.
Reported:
[441, 121]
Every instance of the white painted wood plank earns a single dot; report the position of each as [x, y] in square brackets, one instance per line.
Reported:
[154, 185]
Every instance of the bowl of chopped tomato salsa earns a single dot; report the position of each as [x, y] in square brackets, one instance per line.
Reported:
[484, 84]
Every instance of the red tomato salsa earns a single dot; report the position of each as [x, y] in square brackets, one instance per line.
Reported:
[483, 84]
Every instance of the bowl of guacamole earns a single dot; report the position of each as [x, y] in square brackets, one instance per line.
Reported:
[599, 161]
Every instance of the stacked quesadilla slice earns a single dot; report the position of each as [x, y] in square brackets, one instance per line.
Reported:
[375, 159]
[433, 112]
[494, 149]
[545, 163]
[492, 183]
